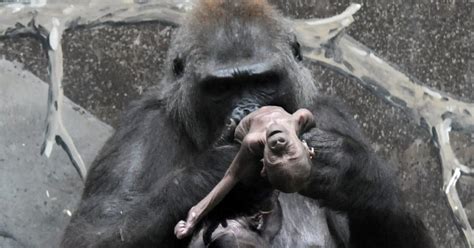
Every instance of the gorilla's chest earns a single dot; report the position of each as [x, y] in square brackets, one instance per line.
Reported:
[304, 224]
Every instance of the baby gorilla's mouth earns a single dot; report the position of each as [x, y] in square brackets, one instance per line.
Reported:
[277, 142]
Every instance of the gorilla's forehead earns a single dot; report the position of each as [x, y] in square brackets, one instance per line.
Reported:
[226, 30]
[217, 10]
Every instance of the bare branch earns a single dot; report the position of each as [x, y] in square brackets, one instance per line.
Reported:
[451, 174]
[55, 131]
[91, 12]
[348, 56]
[318, 31]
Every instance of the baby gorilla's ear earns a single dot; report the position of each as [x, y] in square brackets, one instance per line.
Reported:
[304, 120]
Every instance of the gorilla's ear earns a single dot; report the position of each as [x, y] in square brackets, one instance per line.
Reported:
[296, 49]
[304, 120]
[178, 65]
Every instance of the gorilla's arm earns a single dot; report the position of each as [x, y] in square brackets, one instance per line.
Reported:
[133, 196]
[142, 218]
[347, 176]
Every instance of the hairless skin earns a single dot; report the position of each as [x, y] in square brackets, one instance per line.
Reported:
[271, 133]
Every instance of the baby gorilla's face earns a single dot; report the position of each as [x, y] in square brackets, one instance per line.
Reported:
[287, 160]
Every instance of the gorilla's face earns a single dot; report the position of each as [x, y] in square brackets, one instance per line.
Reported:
[228, 59]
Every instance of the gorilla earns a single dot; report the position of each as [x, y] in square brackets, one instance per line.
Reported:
[229, 58]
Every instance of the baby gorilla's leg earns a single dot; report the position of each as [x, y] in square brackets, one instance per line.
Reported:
[236, 171]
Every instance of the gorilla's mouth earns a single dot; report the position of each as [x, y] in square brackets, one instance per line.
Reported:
[247, 107]
[243, 109]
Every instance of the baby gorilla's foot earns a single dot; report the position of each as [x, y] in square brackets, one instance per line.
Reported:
[183, 229]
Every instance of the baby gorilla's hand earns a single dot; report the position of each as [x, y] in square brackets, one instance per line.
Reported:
[185, 228]
[182, 230]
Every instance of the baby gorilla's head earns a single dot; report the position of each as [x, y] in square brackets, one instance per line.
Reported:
[287, 160]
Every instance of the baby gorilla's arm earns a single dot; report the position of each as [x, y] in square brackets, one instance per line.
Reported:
[254, 131]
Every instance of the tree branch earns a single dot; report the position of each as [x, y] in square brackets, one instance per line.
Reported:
[55, 130]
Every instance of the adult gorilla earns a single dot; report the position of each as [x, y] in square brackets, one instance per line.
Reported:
[228, 58]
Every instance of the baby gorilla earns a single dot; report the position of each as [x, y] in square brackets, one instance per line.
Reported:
[271, 133]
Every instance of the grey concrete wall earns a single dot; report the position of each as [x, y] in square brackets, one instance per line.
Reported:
[108, 66]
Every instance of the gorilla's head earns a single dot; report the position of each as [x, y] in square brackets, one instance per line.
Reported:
[228, 58]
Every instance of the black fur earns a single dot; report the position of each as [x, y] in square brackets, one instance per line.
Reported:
[163, 157]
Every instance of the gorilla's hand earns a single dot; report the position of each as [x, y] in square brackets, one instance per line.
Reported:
[227, 135]
[346, 174]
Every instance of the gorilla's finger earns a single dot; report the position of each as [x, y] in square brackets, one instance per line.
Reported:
[227, 135]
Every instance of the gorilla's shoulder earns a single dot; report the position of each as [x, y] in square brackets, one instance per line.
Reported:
[148, 106]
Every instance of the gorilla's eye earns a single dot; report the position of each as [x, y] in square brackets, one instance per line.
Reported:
[296, 49]
[178, 66]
